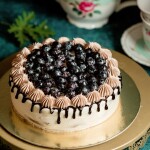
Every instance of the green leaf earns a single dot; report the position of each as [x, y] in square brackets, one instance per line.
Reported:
[97, 11]
[25, 30]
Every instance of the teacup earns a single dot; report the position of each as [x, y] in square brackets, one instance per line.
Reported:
[144, 6]
[146, 31]
[90, 14]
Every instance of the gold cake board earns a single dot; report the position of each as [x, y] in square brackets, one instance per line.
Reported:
[135, 130]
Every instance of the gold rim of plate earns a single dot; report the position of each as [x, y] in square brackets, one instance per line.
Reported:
[129, 135]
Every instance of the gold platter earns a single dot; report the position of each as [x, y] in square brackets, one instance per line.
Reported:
[129, 123]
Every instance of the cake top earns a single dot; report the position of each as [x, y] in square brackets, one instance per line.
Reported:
[64, 72]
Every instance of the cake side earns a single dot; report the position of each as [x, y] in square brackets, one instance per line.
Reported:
[62, 110]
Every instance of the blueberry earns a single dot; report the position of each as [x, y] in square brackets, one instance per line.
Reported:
[58, 64]
[48, 83]
[82, 76]
[37, 52]
[41, 61]
[38, 69]
[82, 67]
[72, 64]
[71, 93]
[73, 85]
[94, 87]
[75, 69]
[61, 57]
[81, 56]
[46, 48]
[90, 61]
[54, 91]
[73, 78]
[50, 68]
[92, 79]
[70, 57]
[100, 61]
[62, 86]
[91, 69]
[30, 71]
[68, 45]
[78, 48]
[82, 82]
[64, 69]
[96, 56]
[46, 90]
[57, 73]
[88, 52]
[45, 76]
[103, 74]
[62, 80]
[85, 90]
[56, 44]
[101, 81]
[50, 59]
[66, 74]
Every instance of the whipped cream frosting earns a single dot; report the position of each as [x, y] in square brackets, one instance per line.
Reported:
[112, 62]
[105, 90]
[26, 87]
[36, 95]
[48, 41]
[21, 79]
[63, 39]
[105, 53]
[17, 70]
[25, 52]
[94, 46]
[48, 101]
[93, 96]
[113, 71]
[62, 102]
[79, 100]
[113, 81]
[79, 41]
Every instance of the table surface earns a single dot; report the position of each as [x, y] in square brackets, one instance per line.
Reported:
[108, 36]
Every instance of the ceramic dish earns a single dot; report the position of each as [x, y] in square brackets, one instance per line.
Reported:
[133, 45]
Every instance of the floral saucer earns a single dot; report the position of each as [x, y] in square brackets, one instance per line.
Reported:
[133, 45]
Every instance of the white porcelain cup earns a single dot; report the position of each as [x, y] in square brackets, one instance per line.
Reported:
[146, 31]
[144, 6]
[91, 14]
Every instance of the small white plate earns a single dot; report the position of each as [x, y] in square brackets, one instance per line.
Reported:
[133, 45]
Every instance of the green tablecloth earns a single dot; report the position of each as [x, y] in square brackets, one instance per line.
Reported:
[108, 36]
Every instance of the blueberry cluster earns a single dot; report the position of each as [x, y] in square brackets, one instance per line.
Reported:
[65, 69]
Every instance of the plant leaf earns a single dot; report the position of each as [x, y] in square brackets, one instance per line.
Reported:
[25, 30]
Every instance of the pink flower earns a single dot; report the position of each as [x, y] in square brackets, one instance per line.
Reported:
[86, 6]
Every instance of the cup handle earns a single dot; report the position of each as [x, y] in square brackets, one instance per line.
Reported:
[127, 3]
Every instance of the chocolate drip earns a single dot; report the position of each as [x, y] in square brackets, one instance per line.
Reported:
[12, 89]
[118, 90]
[106, 106]
[74, 113]
[58, 118]
[51, 111]
[98, 106]
[113, 96]
[32, 107]
[90, 109]
[17, 94]
[80, 111]
[24, 99]
[66, 113]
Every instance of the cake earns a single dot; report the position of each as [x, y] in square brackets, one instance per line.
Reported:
[65, 85]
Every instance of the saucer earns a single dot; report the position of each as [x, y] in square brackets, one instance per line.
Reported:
[133, 45]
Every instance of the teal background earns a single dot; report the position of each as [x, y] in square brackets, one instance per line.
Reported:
[108, 36]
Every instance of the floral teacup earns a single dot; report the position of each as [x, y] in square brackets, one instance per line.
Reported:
[89, 14]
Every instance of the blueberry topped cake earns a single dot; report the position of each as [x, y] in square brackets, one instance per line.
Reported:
[65, 85]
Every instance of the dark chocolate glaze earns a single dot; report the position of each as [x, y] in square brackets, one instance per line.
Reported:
[24, 99]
